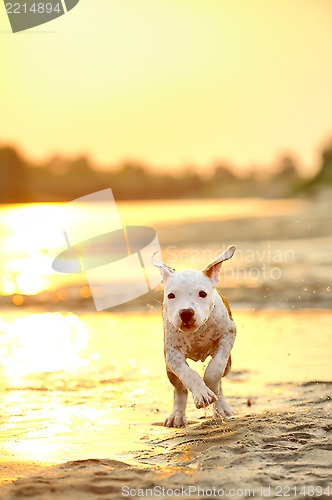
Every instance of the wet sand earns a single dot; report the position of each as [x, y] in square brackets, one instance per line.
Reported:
[285, 453]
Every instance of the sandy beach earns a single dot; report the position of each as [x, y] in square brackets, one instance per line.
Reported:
[84, 394]
[100, 434]
[269, 454]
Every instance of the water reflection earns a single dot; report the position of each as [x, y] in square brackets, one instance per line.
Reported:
[49, 342]
[76, 387]
[31, 236]
[71, 386]
[28, 236]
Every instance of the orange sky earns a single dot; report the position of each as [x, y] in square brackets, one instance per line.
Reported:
[172, 82]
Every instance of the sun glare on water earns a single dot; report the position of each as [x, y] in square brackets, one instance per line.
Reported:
[32, 236]
[29, 234]
[42, 343]
[71, 385]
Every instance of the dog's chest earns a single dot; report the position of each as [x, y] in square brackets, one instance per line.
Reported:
[197, 345]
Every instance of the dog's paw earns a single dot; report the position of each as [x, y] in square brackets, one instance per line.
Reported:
[222, 409]
[176, 419]
[204, 397]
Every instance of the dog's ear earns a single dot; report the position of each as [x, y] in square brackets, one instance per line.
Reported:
[213, 269]
[164, 269]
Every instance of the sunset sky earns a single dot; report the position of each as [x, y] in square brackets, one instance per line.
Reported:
[172, 83]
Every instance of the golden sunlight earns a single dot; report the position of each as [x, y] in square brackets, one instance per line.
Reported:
[29, 233]
[49, 342]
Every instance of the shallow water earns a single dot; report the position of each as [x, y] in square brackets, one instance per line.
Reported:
[76, 386]
[283, 257]
[31, 236]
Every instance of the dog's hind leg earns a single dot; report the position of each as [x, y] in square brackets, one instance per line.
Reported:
[178, 416]
[221, 407]
[217, 368]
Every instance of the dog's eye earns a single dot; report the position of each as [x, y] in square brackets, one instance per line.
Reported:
[171, 296]
[202, 294]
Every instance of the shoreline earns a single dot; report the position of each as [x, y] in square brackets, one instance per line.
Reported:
[102, 427]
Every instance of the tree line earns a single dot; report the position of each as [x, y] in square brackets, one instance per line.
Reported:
[64, 179]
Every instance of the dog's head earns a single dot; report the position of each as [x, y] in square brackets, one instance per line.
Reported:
[188, 295]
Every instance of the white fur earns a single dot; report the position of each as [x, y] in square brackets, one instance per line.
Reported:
[196, 327]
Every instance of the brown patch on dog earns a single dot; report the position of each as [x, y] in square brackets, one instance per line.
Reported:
[225, 301]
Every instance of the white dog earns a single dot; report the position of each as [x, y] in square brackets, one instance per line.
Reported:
[197, 323]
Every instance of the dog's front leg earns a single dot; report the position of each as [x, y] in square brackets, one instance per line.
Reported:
[178, 416]
[176, 362]
[215, 371]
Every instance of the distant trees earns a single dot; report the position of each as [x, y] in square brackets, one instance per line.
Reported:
[63, 179]
[323, 178]
[13, 176]
[285, 178]
[324, 175]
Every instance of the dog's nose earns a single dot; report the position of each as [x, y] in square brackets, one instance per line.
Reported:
[186, 315]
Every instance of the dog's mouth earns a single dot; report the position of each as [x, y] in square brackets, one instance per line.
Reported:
[190, 326]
